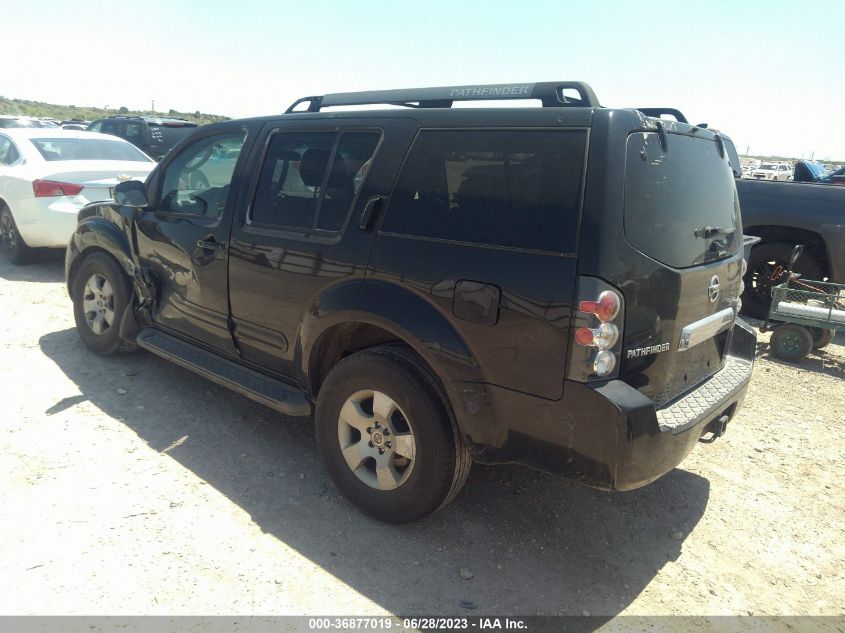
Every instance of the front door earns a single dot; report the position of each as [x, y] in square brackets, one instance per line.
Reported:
[183, 236]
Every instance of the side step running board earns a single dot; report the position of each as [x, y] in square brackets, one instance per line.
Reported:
[272, 393]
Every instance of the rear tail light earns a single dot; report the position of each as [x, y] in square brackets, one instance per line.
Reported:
[597, 328]
[52, 188]
[604, 362]
[603, 337]
[605, 308]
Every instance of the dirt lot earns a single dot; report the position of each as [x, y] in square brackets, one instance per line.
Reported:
[132, 486]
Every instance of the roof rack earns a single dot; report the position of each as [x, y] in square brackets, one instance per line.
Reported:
[658, 112]
[552, 94]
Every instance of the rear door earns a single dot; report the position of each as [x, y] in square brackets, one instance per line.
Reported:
[682, 279]
[183, 234]
[482, 225]
[298, 231]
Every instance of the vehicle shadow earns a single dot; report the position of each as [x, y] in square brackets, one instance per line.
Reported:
[534, 543]
[48, 266]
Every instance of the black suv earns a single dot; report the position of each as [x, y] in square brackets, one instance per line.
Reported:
[555, 286]
[153, 135]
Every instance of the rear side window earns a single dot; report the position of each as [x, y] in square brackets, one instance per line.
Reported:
[518, 189]
[681, 206]
[310, 179]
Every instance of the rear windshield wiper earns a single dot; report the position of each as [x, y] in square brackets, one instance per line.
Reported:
[711, 231]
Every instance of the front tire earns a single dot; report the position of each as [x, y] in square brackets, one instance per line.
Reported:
[100, 296]
[387, 436]
[11, 242]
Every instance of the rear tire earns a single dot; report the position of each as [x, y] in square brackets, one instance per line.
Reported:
[791, 342]
[101, 292]
[11, 242]
[762, 264]
[423, 464]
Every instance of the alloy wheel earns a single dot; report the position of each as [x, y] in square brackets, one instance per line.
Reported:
[98, 304]
[376, 440]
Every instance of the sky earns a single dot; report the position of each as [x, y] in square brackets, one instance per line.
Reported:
[769, 74]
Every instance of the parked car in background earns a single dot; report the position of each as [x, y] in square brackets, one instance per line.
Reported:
[809, 171]
[772, 171]
[75, 124]
[154, 135]
[836, 178]
[7, 121]
[47, 175]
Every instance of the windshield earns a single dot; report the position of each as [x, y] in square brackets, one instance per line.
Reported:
[87, 149]
[681, 206]
[768, 166]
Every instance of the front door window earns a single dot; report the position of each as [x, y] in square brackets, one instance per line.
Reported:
[197, 182]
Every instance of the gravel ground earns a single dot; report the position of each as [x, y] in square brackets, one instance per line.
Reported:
[131, 486]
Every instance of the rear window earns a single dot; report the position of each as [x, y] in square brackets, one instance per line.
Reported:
[518, 189]
[4, 123]
[167, 135]
[681, 206]
[87, 149]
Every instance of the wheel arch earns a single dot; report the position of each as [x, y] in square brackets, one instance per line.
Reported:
[813, 242]
[97, 235]
[356, 321]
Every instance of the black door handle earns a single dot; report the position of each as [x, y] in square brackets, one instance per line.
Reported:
[211, 244]
[370, 213]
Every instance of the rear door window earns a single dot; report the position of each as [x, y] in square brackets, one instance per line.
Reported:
[110, 127]
[681, 206]
[309, 180]
[515, 188]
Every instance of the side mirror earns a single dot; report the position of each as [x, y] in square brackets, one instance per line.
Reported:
[131, 193]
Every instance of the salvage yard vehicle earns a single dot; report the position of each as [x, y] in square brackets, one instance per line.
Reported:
[47, 175]
[805, 313]
[439, 285]
[151, 134]
[836, 178]
[772, 171]
[784, 214]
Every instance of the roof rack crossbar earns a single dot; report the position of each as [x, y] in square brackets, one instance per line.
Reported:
[550, 94]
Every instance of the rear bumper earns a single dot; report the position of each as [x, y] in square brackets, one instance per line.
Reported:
[608, 436]
[46, 222]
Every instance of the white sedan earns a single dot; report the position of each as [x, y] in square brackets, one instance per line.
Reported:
[47, 175]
